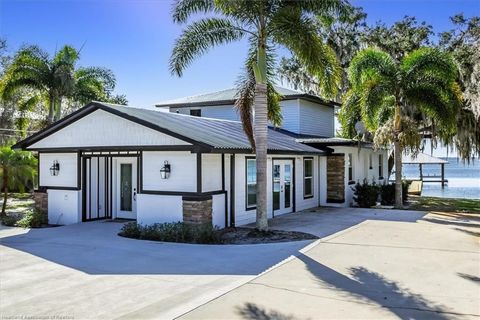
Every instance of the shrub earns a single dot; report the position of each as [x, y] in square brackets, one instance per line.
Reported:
[9, 221]
[33, 219]
[387, 192]
[172, 232]
[365, 194]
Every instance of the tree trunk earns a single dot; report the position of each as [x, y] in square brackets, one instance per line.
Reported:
[5, 193]
[260, 129]
[58, 109]
[398, 159]
[51, 109]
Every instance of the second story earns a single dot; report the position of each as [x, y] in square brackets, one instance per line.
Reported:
[303, 114]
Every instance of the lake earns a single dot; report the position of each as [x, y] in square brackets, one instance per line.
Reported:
[463, 179]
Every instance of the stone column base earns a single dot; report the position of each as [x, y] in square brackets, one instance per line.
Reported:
[197, 211]
[41, 201]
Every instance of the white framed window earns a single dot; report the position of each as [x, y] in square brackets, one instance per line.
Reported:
[251, 183]
[307, 178]
[350, 166]
[380, 166]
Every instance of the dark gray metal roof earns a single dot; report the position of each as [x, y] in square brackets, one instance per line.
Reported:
[228, 97]
[334, 141]
[212, 133]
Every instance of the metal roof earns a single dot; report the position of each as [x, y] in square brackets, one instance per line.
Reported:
[228, 97]
[332, 141]
[213, 133]
[421, 158]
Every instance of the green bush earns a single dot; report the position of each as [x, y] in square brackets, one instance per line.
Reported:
[365, 194]
[9, 221]
[33, 219]
[387, 192]
[172, 232]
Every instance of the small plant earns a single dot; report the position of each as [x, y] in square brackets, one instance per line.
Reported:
[365, 194]
[387, 192]
[33, 219]
[172, 232]
[9, 221]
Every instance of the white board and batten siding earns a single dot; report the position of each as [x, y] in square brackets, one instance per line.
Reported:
[67, 176]
[104, 129]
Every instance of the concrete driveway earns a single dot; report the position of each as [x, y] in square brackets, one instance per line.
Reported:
[371, 264]
[86, 271]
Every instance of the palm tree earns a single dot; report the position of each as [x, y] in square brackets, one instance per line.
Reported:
[55, 79]
[395, 99]
[17, 169]
[266, 24]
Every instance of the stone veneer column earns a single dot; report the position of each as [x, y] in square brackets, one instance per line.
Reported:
[197, 211]
[336, 178]
[41, 201]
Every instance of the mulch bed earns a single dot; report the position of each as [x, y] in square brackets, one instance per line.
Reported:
[253, 236]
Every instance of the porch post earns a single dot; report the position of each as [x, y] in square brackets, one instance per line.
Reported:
[421, 173]
[443, 175]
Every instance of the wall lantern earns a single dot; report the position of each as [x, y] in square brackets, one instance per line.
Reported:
[55, 168]
[165, 171]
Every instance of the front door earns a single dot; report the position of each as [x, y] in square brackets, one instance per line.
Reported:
[126, 188]
[282, 186]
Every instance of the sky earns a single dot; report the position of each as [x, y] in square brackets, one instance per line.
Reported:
[134, 39]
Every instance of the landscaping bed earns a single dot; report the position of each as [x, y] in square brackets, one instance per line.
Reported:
[206, 234]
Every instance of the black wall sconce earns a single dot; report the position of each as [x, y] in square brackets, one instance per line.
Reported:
[165, 171]
[55, 168]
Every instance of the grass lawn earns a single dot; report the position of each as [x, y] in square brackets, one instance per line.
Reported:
[444, 204]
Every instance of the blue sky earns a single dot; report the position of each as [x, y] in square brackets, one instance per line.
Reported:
[134, 38]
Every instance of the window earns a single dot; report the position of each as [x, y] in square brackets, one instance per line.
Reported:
[380, 166]
[196, 112]
[251, 181]
[307, 177]
[370, 161]
[350, 167]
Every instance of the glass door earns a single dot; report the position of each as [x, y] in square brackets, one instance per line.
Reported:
[126, 186]
[282, 186]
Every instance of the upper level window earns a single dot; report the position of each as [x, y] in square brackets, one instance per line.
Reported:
[251, 182]
[307, 177]
[380, 166]
[196, 112]
[350, 167]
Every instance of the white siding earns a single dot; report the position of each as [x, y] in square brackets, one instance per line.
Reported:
[316, 119]
[64, 206]
[183, 176]
[291, 116]
[67, 176]
[101, 128]
[227, 112]
[218, 210]
[158, 209]
[243, 216]
[211, 172]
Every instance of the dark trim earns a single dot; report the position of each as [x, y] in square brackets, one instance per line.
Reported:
[79, 170]
[197, 198]
[182, 193]
[59, 188]
[223, 171]
[98, 187]
[84, 190]
[313, 178]
[199, 173]
[232, 190]
[94, 106]
[223, 188]
[190, 148]
[335, 201]
[38, 170]
[269, 152]
[111, 187]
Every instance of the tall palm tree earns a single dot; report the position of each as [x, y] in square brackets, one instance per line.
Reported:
[266, 24]
[54, 79]
[397, 98]
[17, 170]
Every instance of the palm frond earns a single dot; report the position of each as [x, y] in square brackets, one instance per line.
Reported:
[372, 63]
[183, 9]
[200, 36]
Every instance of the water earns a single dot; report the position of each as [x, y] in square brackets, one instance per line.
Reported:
[463, 179]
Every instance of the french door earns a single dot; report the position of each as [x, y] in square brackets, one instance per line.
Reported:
[282, 186]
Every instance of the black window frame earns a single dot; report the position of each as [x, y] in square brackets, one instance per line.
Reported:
[193, 111]
[350, 166]
[380, 166]
[247, 206]
[308, 196]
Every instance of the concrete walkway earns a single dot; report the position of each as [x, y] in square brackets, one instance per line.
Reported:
[86, 271]
[372, 264]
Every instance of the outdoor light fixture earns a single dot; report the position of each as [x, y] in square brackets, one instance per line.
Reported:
[165, 171]
[55, 168]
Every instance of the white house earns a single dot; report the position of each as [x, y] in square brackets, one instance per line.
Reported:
[108, 161]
